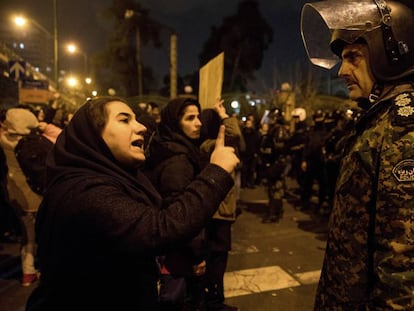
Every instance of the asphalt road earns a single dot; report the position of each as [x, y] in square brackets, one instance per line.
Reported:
[274, 266]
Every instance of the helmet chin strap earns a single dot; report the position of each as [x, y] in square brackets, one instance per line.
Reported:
[375, 92]
[365, 103]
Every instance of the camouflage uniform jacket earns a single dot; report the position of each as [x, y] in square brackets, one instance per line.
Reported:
[369, 258]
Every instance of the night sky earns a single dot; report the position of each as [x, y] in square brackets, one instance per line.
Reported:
[81, 21]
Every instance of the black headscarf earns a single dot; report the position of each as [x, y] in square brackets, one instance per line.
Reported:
[171, 114]
[80, 151]
[211, 123]
[170, 140]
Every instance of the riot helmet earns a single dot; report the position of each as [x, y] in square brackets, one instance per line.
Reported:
[276, 116]
[318, 116]
[299, 113]
[384, 25]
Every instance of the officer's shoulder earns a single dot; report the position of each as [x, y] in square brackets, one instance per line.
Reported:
[402, 109]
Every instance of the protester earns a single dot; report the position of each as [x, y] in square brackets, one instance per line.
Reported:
[18, 126]
[50, 131]
[173, 164]
[10, 228]
[218, 230]
[101, 222]
[155, 112]
[368, 262]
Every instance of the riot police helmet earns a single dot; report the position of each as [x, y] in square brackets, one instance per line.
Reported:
[318, 115]
[386, 27]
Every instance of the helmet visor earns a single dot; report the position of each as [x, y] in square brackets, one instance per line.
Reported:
[319, 20]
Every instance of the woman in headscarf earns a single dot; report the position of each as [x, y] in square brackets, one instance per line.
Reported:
[101, 222]
[173, 164]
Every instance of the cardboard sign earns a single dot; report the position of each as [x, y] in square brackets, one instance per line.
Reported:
[37, 96]
[211, 81]
[35, 84]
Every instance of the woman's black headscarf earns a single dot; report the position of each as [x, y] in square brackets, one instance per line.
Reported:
[211, 123]
[170, 139]
[171, 114]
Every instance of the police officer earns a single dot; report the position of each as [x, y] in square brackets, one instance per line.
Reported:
[296, 147]
[334, 150]
[279, 166]
[368, 261]
[313, 163]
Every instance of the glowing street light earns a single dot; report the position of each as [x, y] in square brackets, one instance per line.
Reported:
[72, 82]
[22, 22]
[73, 49]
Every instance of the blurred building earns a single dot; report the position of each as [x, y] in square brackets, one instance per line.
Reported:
[33, 43]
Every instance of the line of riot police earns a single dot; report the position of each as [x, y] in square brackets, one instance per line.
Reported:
[309, 155]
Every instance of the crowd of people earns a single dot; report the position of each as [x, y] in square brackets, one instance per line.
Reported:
[111, 210]
[177, 143]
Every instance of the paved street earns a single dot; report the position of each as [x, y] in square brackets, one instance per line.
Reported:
[272, 266]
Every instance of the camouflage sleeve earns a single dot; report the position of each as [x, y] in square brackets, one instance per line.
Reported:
[394, 222]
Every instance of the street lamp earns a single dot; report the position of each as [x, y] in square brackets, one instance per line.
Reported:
[22, 21]
[129, 14]
[73, 49]
[173, 54]
[72, 82]
[55, 45]
[173, 58]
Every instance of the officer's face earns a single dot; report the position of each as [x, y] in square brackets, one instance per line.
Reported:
[355, 70]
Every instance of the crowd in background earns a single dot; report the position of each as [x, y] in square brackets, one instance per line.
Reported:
[307, 152]
[306, 149]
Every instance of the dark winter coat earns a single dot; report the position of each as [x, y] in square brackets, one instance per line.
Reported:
[31, 152]
[173, 164]
[100, 227]
[252, 140]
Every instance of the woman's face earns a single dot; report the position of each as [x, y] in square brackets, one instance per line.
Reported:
[123, 134]
[190, 123]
